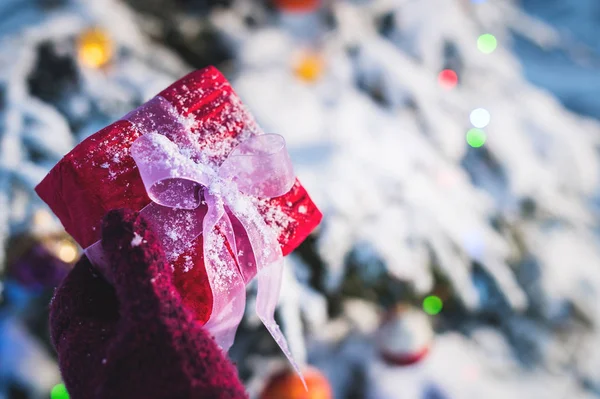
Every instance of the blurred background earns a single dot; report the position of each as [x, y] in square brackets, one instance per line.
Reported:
[452, 146]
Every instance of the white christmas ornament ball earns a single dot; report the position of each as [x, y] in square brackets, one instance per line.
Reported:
[405, 336]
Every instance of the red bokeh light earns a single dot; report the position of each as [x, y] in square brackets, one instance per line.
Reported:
[448, 79]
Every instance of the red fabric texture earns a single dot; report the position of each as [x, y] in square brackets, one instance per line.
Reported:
[134, 339]
[100, 175]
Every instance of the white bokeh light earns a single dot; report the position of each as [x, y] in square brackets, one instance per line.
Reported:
[480, 117]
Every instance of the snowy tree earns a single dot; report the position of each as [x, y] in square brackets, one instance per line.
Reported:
[504, 233]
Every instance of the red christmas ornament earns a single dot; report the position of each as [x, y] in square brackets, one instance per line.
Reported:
[297, 5]
[100, 175]
[288, 385]
[405, 336]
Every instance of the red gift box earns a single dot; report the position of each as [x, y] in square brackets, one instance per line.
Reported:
[99, 175]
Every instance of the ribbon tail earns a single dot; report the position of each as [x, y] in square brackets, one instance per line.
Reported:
[269, 287]
[226, 283]
[95, 253]
[269, 266]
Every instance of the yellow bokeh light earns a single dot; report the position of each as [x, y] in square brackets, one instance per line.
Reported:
[42, 218]
[67, 251]
[94, 48]
[309, 66]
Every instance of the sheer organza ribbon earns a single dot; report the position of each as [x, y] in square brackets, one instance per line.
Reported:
[190, 197]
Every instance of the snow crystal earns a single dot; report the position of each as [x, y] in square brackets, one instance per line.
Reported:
[172, 234]
[188, 263]
[137, 240]
[216, 255]
[279, 222]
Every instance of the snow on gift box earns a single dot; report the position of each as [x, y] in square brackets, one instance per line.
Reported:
[216, 239]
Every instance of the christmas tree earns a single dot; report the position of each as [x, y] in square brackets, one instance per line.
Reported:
[458, 252]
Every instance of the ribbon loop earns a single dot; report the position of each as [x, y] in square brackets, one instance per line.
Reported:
[260, 166]
[170, 178]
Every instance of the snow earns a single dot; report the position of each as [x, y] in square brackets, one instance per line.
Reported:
[137, 240]
[371, 148]
[574, 54]
[395, 178]
[480, 368]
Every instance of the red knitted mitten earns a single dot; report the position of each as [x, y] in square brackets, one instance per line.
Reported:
[134, 339]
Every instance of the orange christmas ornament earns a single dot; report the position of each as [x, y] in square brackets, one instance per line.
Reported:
[288, 385]
[297, 5]
[309, 66]
[94, 48]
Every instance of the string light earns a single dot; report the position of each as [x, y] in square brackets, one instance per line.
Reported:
[94, 48]
[487, 43]
[432, 305]
[480, 117]
[448, 79]
[59, 392]
[476, 138]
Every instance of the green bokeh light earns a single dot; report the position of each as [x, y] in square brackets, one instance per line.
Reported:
[432, 305]
[59, 392]
[476, 138]
[487, 43]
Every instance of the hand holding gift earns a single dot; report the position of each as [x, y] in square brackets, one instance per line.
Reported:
[132, 338]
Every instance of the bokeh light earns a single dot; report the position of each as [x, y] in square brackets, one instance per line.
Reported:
[480, 117]
[432, 305]
[487, 43]
[94, 48]
[476, 138]
[67, 251]
[448, 79]
[42, 218]
[59, 392]
[309, 66]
